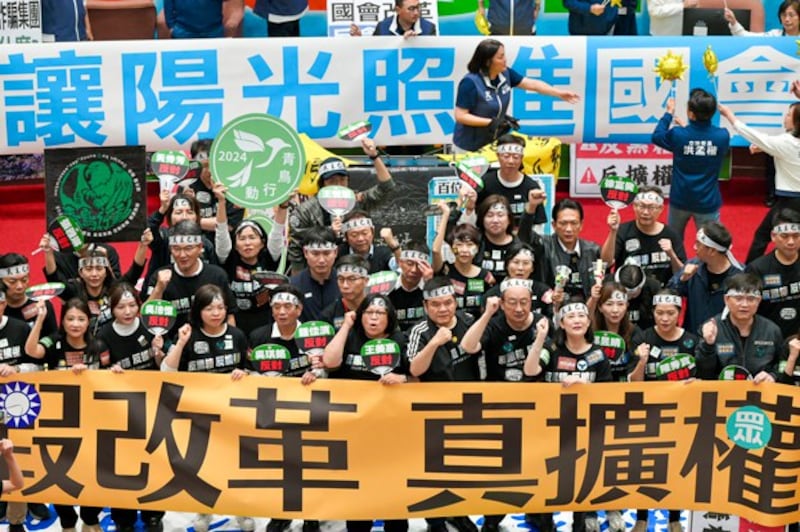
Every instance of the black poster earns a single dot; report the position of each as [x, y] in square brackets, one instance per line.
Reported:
[102, 189]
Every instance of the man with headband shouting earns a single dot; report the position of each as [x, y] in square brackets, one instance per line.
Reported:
[648, 242]
[779, 272]
[701, 280]
[740, 336]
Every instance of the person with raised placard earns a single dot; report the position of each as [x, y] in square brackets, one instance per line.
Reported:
[178, 282]
[739, 336]
[15, 276]
[701, 280]
[173, 208]
[779, 272]
[209, 344]
[95, 276]
[359, 236]
[251, 253]
[650, 243]
[698, 151]
[352, 273]
[208, 200]
[656, 348]
[611, 316]
[286, 307]
[317, 281]
[571, 358]
[126, 344]
[415, 269]
[333, 172]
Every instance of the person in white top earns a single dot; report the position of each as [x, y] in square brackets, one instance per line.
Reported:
[666, 16]
[784, 147]
[788, 13]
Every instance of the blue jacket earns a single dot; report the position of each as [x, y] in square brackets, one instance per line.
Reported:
[698, 151]
[583, 22]
[192, 19]
[702, 302]
[65, 19]
[284, 8]
[388, 26]
[492, 102]
[499, 16]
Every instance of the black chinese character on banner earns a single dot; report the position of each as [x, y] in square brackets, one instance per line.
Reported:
[107, 458]
[185, 465]
[292, 443]
[701, 453]
[662, 175]
[638, 173]
[759, 479]
[59, 453]
[497, 450]
[628, 453]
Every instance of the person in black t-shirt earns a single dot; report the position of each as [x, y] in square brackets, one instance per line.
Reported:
[15, 276]
[648, 242]
[359, 236]
[179, 282]
[351, 278]
[779, 272]
[415, 269]
[508, 180]
[495, 224]
[520, 261]
[125, 344]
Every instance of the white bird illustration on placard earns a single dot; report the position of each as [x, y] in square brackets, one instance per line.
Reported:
[250, 143]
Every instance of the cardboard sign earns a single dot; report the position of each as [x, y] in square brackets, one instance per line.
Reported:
[67, 236]
[269, 280]
[382, 282]
[271, 360]
[45, 291]
[381, 355]
[313, 336]
[170, 166]
[613, 345]
[735, 373]
[676, 368]
[260, 158]
[355, 131]
[618, 192]
[337, 200]
[471, 171]
[158, 316]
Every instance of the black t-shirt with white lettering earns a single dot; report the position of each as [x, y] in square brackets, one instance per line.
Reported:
[645, 251]
[214, 354]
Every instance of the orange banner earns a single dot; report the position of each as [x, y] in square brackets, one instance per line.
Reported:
[359, 450]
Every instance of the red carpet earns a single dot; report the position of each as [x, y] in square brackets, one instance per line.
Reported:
[22, 223]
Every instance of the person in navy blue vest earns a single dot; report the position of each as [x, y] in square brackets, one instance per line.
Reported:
[406, 22]
[65, 20]
[484, 94]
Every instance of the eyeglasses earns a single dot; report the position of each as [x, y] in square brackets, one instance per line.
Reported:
[647, 206]
[375, 313]
[349, 279]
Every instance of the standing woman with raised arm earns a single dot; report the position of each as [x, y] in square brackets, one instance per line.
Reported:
[485, 92]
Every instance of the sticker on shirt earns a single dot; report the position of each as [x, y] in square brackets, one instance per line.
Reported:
[772, 280]
[514, 375]
[475, 285]
[203, 197]
[725, 348]
[565, 364]
[201, 347]
[788, 313]
[632, 244]
[595, 357]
